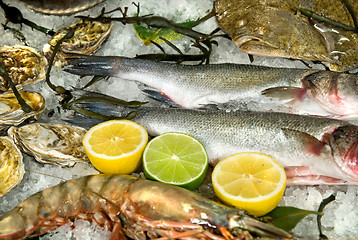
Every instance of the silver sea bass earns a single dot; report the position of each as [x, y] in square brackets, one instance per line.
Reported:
[312, 150]
[192, 86]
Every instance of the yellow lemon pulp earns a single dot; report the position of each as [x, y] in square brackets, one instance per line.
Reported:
[115, 146]
[250, 181]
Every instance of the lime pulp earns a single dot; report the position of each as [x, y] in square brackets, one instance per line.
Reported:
[177, 159]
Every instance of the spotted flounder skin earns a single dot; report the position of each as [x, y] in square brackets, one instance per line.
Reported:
[276, 28]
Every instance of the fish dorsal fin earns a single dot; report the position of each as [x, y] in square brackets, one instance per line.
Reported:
[309, 142]
[285, 93]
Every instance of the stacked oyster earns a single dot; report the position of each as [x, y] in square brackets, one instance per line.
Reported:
[47, 143]
[24, 66]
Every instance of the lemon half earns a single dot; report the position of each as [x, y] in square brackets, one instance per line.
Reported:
[250, 181]
[115, 146]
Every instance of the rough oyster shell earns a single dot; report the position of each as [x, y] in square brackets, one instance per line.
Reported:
[51, 143]
[11, 165]
[88, 38]
[11, 112]
[24, 65]
[60, 7]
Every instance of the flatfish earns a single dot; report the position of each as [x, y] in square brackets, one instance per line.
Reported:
[277, 28]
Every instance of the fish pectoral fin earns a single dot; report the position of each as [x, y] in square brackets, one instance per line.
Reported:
[307, 141]
[160, 97]
[154, 94]
[285, 93]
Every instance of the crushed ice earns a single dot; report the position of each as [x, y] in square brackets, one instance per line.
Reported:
[341, 216]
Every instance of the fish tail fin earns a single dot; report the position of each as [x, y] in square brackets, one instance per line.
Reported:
[93, 108]
[91, 65]
[81, 121]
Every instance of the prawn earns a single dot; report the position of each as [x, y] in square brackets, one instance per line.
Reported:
[132, 207]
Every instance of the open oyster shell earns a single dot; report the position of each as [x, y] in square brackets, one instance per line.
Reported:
[88, 38]
[51, 143]
[24, 65]
[11, 165]
[11, 112]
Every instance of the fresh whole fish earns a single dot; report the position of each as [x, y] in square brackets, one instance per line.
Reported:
[312, 150]
[277, 28]
[139, 208]
[196, 86]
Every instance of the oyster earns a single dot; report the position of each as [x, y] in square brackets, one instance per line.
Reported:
[51, 143]
[24, 65]
[88, 38]
[60, 7]
[11, 165]
[11, 112]
[276, 28]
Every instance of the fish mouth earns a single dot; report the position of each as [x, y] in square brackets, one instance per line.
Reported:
[344, 144]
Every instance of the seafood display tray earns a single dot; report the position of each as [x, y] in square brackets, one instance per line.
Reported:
[340, 218]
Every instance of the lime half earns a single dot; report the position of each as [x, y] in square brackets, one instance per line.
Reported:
[177, 159]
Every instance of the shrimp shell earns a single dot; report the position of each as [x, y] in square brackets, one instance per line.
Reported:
[128, 206]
